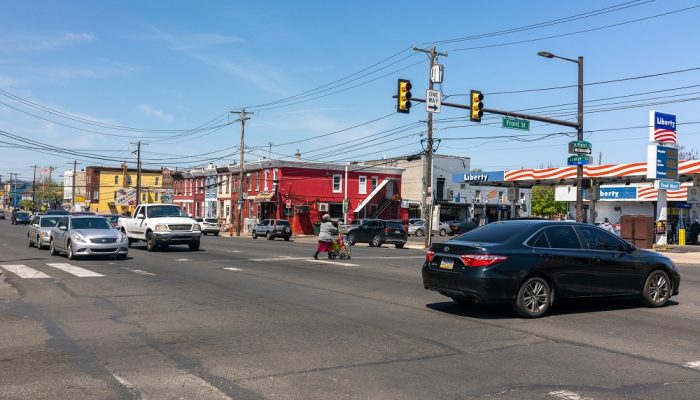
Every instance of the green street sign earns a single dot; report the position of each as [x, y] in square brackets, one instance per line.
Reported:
[578, 160]
[580, 147]
[514, 123]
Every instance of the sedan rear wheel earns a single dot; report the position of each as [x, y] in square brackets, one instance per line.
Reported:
[255, 235]
[534, 298]
[419, 232]
[377, 241]
[657, 289]
[30, 243]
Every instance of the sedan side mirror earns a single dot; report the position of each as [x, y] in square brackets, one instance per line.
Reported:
[631, 248]
[63, 228]
[140, 216]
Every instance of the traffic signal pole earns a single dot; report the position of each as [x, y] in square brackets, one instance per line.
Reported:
[428, 167]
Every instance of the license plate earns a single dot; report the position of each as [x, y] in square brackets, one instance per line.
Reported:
[397, 231]
[447, 263]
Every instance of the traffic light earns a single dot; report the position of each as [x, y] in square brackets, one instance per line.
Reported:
[403, 97]
[476, 106]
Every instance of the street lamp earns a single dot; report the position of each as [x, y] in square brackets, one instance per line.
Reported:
[579, 131]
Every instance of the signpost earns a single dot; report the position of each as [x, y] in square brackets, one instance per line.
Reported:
[580, 147]
[578, 160]
[433, 101]
[514, 123]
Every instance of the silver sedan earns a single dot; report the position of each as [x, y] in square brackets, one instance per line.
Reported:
[39, 230]
[87, 235]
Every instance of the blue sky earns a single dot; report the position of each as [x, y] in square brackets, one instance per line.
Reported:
[168, 67]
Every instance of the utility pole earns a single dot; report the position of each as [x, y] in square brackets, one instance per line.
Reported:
[72, 201]
[34, 188]
[428, 167]
[50, 184]
[242, 117]
[14, 197]
[138, 170]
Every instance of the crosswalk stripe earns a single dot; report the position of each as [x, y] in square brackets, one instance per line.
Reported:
[25, 272]
[330, 262]
[73, 270]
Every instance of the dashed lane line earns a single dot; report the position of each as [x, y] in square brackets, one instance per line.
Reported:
[567, 395]
[25, 272]
[233, 269]
[693, 365]
[331, 262]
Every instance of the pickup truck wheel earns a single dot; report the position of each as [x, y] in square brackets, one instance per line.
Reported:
[269, 236]
[150, 242]
[194, 246]
[38, 243]
[443, 232]
[255, 235]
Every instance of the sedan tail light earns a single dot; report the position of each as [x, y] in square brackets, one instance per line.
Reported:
[387, 230]
[481, 260]
[429, 256]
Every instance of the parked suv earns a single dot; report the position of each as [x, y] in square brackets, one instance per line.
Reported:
[377, 232]
[272, 228]
[208, 225]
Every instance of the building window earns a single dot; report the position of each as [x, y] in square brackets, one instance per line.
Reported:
[143, 197]
[337, 183]
[234, 187]
[267, 176]
[363, 185]
[157, 179]
[155, 196]
[227, 184]
[249, 181]
[257, 181]
[501, 197]
[221, 183]
[375, 182]
[128, 179]
[116, 179]
[274, 174]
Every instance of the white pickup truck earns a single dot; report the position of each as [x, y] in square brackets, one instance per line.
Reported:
[161, 225]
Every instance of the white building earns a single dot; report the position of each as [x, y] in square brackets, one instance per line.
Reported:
[80, 204]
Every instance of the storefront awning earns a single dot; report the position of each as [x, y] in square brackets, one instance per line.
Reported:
[261, 197]
[371, 195]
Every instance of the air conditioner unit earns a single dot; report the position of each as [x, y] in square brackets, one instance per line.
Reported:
[323, 207]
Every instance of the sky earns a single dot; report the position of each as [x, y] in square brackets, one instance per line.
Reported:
[85, 80]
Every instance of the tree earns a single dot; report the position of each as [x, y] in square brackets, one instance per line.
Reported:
[685, 154]
[543, 203]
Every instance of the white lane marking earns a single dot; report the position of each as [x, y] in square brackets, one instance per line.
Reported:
[280, 258]
[693, 365]
[124, 382]
[182, 259]
[342, 264]
[234, 251]
[567, 395]
[25, 272]
[233, 269]
[138, 271]
[73, 270]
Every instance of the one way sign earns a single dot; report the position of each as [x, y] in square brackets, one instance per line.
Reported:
[432, 101]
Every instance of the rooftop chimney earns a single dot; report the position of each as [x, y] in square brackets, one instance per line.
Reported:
[297, 155]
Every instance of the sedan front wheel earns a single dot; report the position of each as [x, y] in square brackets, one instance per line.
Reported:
[534, 298]
[657, 289]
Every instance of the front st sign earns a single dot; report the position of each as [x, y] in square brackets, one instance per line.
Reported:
[514, 123]
[580, 147]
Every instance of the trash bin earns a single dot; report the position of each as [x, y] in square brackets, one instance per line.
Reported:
[317, 228]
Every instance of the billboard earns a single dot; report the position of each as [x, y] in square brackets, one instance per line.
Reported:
[478, 177]
[662, 127]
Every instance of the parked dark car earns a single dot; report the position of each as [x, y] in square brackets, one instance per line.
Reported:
[113, 219]
[532, 263]
[459, 227]
[377, 232]
[272, 228]
[20, 218]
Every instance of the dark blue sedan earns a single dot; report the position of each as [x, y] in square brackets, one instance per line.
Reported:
[531, 263]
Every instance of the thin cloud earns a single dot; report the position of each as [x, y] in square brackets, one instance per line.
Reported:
[154, 112]
[194, 41]
[7, 81]
[78, 37]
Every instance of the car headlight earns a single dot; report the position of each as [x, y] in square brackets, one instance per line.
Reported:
[44, 234]
[196, 227]
[78, 238]
[160, 227]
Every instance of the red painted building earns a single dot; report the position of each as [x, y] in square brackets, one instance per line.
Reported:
[302, 192]
[188, 191]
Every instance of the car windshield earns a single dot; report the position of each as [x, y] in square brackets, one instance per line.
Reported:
[491, 233]
[211, 220]
[49, 222]
[113, 219]
[90, 223]
[22, 214]
[282, 222]
[165, 211]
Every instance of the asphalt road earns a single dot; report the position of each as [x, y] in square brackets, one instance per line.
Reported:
[254, 319]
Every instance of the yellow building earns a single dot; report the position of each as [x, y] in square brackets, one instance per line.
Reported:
[112, 190]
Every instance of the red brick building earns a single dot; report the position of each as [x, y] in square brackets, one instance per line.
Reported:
[302, 192]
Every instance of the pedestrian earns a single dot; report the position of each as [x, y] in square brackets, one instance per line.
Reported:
[325, 236]
[606, 225]
[694, 232]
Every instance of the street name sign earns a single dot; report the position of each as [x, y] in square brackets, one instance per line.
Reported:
[667, 185]
[580, 147]
[578, 160]
[432, 101]
[514, 123]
